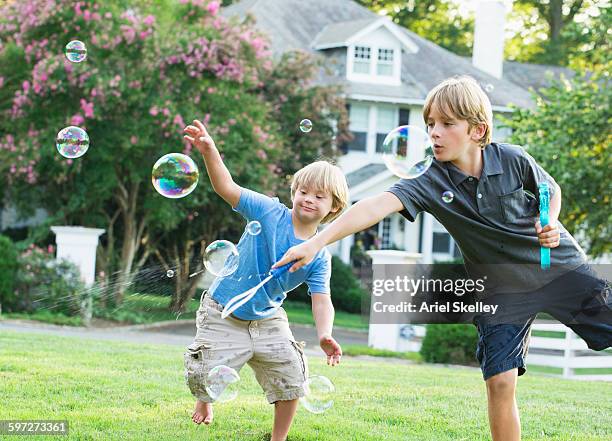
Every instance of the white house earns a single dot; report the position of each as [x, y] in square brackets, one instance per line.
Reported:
[386, 72]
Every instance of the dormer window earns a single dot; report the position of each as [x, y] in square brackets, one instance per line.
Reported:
[384, 65]
[361, 62]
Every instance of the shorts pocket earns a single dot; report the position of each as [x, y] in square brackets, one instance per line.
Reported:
[195, 359]
[299, 349]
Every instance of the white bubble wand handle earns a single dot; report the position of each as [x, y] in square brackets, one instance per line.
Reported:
[239, 300]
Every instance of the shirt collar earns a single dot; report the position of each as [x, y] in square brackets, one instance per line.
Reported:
[491, 166]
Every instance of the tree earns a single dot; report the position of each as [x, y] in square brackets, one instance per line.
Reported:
[440, 21]
[569, 135]
[148, 72]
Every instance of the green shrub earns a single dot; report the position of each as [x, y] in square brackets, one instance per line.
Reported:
[8, 268]
[347, 293]
[449, 343]
[43, 283]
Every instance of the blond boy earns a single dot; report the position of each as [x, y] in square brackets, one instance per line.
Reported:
[493, 220]
[258, 332]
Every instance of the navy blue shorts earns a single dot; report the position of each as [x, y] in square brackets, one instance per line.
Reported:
[578, 299]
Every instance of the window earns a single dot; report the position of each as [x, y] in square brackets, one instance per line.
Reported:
[385, 122]
[386, 233]
[358, 125]
[384, 66]
[442, 241]
[361, 60]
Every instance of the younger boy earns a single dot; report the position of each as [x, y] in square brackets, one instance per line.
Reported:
[258, 332]
[492, 220]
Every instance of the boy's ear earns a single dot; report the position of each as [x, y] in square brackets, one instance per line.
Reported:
[478, 131]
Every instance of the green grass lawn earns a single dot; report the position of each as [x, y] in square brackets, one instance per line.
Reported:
[147, 308]
[122, 391]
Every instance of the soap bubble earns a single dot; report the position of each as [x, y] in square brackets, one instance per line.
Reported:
[170, 274]
[221, 383]
[253, 228]
[448, 196]
[489, 87]
[72, 142]
[306, 125]
[319, 394]
[175, 175]
[221, 258]
[407, 151]
[76, 51]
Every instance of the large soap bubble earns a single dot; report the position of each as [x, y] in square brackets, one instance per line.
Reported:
[407, 151]
[175, 175]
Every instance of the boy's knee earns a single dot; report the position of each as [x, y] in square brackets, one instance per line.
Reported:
[502, 384]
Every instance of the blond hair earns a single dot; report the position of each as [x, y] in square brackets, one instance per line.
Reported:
[462, 97]
[327, 177]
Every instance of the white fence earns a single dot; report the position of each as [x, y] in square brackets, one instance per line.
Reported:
[567, 353]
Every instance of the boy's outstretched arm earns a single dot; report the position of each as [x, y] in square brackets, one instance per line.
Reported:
[219, 175]
[360, 216]
[323, 313]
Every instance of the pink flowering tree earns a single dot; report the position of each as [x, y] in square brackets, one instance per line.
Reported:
[149, 72]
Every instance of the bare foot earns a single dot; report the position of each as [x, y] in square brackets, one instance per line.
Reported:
[203, 412]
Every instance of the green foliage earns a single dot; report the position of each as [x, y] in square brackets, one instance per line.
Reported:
[447, 343]
[8, 268]
[435, 20]
[569, 135]
[42, 282]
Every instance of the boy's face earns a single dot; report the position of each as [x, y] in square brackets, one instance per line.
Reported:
[311, 204]
[451, 136]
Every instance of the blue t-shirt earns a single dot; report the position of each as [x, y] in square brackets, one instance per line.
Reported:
[258, 253]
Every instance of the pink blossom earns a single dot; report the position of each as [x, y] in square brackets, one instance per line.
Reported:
[166, 111]
[134, 140]
[87, 108]
[178, 120]
[261, 154]
[1, 82]
[206, 119]
[153, 111]
[149, 20]
[190, 217]
[50, 249]
[26, 86]
[231, 121]
[213, 7]
[87, 15]
[129, 33]
[108, 15]
[77, 120]
[211, 90]
[69, 161]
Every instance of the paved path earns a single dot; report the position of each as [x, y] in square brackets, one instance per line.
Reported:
[174, 333]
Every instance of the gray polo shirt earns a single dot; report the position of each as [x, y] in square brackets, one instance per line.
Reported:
[492, 217]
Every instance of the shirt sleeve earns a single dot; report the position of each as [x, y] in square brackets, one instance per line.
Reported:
[318, 280]
[413, 196]
[253, 205]
[534, 174]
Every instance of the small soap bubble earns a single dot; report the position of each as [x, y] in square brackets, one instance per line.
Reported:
[489, 87]
[170, 274]
[448, 196]
[407, 151]
[305, 125]
[221, 383]
[72, 142]
[221, 258]
[253, 228]
[319, 394]
[76, 51]
[175, 175]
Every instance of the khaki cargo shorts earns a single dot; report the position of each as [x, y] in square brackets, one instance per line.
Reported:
[267, 346]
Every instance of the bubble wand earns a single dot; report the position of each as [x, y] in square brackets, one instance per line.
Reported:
[544, 212]
[240, 299]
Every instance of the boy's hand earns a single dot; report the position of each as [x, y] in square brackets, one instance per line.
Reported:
[302, 254]
[198, 136]
[332, 349]
[548, 236]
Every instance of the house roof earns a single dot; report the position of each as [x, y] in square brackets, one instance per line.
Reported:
[363, 174]
[301, 25]
[534, 76]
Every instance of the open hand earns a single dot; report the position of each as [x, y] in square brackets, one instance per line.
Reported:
[198, 136]
[332, 349]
